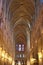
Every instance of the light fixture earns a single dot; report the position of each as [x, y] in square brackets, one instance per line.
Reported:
[13, 63]
[40, 55]
[32, 60]
[6, 57]
[19, 63]
[3, 54]
[10, 59]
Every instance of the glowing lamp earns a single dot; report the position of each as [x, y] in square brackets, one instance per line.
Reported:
[40, 55]
[10, 59]
[3, 54]
[32, 60]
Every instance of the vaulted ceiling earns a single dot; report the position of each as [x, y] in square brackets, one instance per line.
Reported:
[21, 12]
[22, 9]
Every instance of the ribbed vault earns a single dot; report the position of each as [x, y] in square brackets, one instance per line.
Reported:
[21, 9]
[21, 15]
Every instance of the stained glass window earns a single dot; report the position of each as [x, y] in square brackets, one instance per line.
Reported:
[17, 47]
[20, 47]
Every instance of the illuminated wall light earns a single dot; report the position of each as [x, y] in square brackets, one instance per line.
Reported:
[19, 63]
[13, 63]
[10, 59]
[32, 60]
[3, 54]
[6, 57]
[40, 55]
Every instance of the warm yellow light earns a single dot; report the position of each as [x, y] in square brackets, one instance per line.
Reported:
[0, 48]
[19, 63]
[13, 63]
[32, 60]
[0, 51]
[40, 55]
[6, 57]
[10, 59]
[3, 54]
